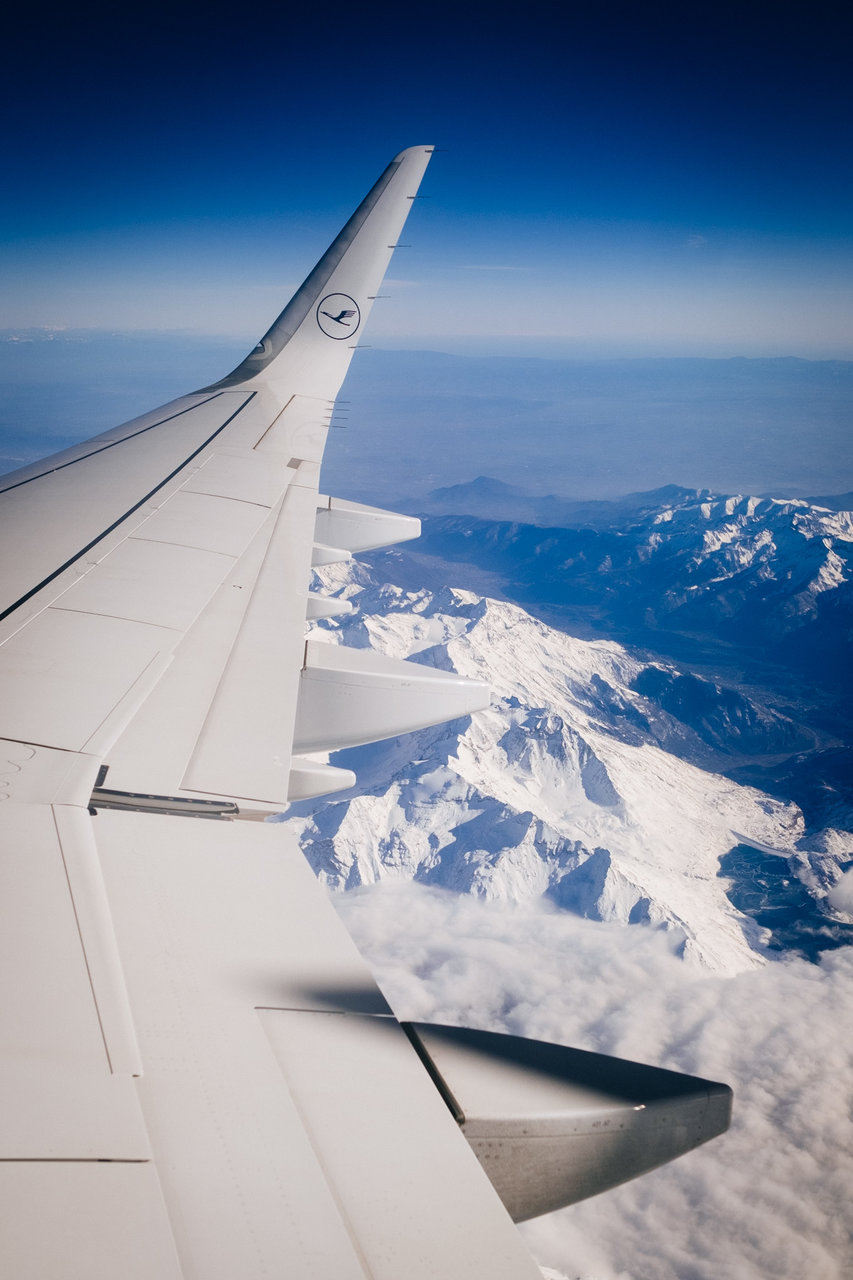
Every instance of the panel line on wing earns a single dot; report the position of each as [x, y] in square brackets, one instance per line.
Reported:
[73, 1160]
[97, 938]
[260, 440]
[111, 444]
[104, 532]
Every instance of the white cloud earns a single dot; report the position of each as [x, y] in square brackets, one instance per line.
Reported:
[771, 1197]
[841, 895]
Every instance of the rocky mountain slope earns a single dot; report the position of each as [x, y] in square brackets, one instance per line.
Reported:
[771, 577]
[568, 788]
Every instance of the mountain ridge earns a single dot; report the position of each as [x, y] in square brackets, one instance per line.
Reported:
[561, 791]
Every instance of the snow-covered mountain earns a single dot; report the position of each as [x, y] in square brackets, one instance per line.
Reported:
[758, 566]
[567, 789]
[748, 578]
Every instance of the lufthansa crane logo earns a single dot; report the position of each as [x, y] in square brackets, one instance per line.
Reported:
[338, 316]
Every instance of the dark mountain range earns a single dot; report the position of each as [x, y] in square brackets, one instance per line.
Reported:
[752, 597]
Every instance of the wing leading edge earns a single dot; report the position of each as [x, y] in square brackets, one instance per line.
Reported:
[206, 1080]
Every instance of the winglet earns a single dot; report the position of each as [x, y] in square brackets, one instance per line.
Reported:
[318, 329]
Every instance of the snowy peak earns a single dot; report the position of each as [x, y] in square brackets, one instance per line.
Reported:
[561, 790]
[758, 541]
[735, 582]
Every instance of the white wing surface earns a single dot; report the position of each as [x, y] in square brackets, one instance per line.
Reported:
[199, 1077]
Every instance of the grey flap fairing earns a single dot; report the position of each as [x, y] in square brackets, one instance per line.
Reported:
[552, 1125]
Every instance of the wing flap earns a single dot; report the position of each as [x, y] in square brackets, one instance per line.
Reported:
[368, 1107]
[97, 1220]
[244, 746]
[214, 921]
[294, 1134]
[61, 1004]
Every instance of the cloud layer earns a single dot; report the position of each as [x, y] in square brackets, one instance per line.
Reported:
[770, 1198]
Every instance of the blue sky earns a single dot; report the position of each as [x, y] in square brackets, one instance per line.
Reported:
[636, 180]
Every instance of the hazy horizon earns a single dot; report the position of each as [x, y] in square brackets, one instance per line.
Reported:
[412, 421]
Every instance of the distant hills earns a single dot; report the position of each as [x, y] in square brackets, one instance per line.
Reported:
[495, 499]
[420, 420]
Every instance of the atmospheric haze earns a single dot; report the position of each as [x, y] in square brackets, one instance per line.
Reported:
[580, 429]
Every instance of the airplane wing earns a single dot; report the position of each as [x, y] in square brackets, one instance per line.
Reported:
[200, 1078]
